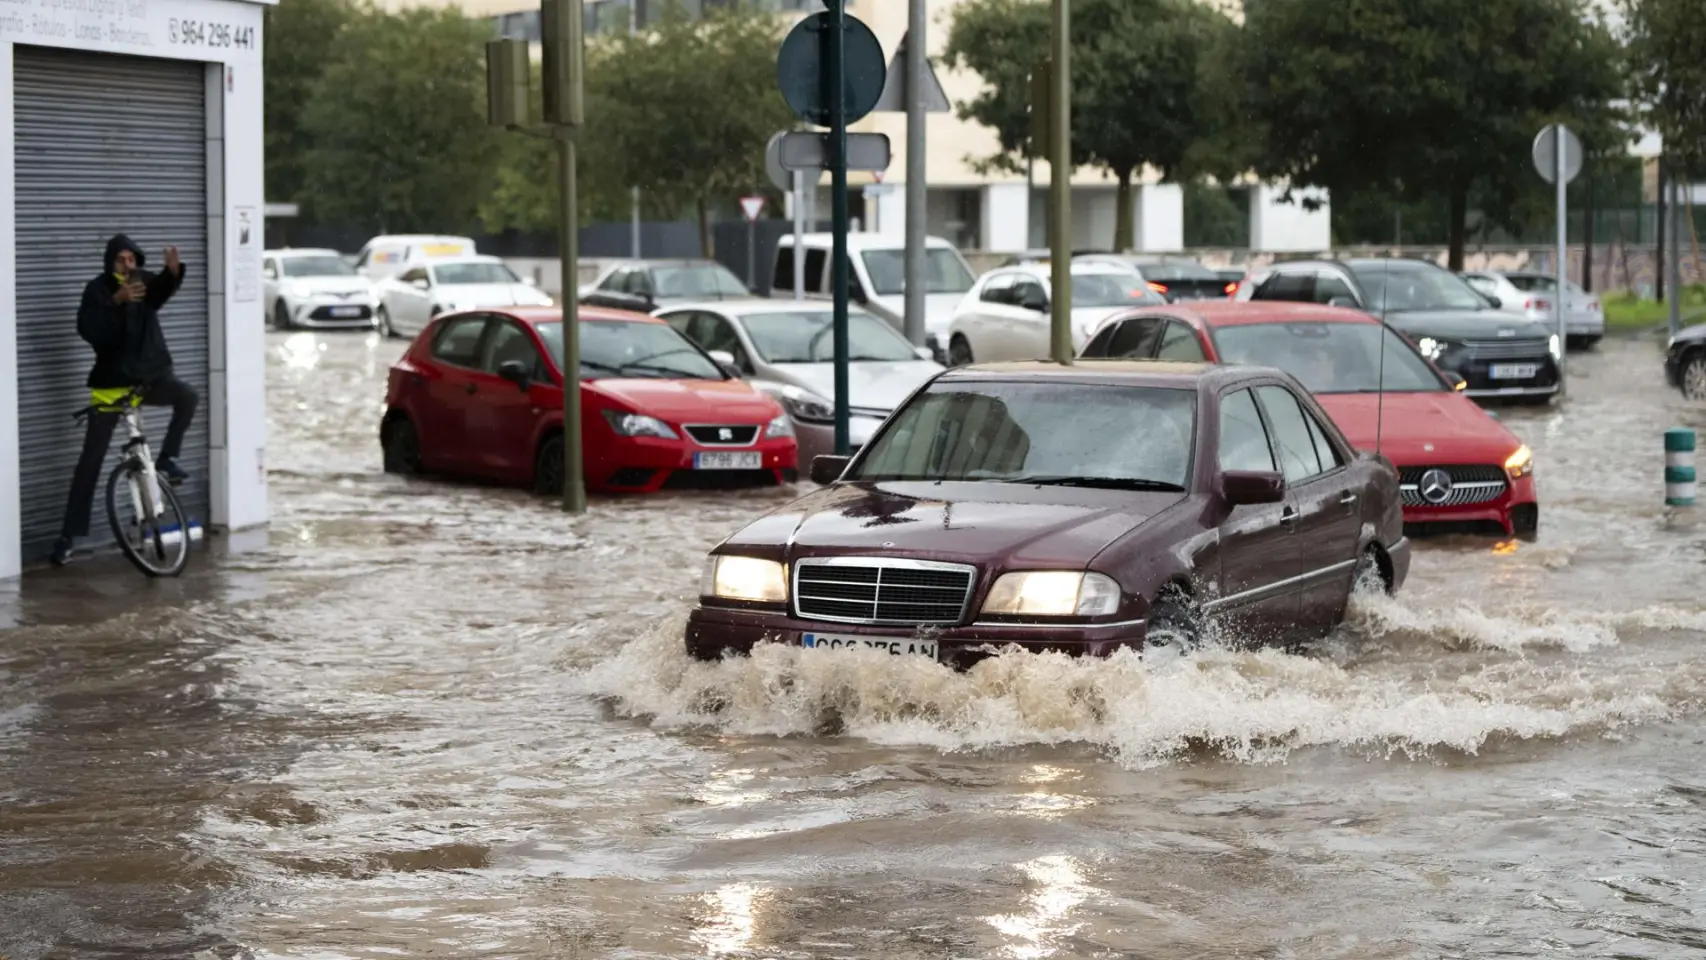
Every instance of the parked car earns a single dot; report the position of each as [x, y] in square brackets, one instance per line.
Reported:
[315, 289]
[1454, 326]
[786, 348]
[1005, 315]
[480, 394]
[1685, 361]
[1174, 278]
[1079, 509]
[646, 285]
[1535, 295]
[390, 255]
[409, 301]
[877, 279]
[1459, 467]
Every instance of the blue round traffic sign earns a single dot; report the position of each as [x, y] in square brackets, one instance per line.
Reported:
[801, 63]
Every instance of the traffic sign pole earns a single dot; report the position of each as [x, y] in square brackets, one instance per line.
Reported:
[1561, 176]
[916, 203]
[836, 80]
[799, 237]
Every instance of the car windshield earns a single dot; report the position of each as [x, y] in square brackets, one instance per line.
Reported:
[806, 337]
[1399, 287]
[627, 348]
[695, 281]
[944, 272]
[319, 266]
[1111, 290]
[1165, 272]
[1039, 431]
[459, 273]
[1330, 357]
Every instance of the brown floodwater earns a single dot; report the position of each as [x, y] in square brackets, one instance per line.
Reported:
[423, 719]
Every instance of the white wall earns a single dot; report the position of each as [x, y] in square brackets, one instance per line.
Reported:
[229, 37]
[1277, 227]
[1006, 217]
[889, 211]
[1158, 218]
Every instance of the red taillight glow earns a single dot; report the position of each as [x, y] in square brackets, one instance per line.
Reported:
[1157, 287]
[1232, 289]
[1538, 305]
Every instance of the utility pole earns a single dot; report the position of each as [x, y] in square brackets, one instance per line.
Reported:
[835, 70]
[916, 203]
[1060, 184]
[634, 239]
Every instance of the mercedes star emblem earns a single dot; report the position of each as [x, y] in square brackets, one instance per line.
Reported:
[1435, 486]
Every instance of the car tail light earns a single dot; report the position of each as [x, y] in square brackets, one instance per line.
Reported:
[1232, 289]
[1538, 305]
[1593, 304]
[1160, 288]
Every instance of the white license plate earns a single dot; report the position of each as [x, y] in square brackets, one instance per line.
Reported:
[897, 646]
[728, 461]
[346, 311]
[1513, 371]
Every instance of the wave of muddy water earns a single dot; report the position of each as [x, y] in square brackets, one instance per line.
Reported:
[429, 719]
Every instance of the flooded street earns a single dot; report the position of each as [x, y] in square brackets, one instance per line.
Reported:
[422, 719]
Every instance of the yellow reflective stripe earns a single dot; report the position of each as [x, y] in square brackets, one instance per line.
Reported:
[111, 397]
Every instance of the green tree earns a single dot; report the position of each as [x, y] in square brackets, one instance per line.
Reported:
[1422, 100]
[396, 123]
[524, 194]
[1667, 59]
[1140, 98]
[296, 35]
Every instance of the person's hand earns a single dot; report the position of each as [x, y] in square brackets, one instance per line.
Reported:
[130, 291]
[172, 261]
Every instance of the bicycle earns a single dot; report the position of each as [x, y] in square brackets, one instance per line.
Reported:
[156, 536]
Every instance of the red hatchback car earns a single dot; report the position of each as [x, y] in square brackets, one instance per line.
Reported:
[480, 394]
[1457, 466]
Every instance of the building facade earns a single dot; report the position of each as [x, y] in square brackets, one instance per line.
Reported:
[140, 117]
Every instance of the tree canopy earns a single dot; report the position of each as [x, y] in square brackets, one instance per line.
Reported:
[1417, 100]
[1142, 94]
[1667, 57]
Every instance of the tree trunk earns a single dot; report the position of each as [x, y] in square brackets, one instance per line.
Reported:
[707, 246]
[1459, 227]
[1123, 213]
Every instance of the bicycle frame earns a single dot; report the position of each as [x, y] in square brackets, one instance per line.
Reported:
[145, 497]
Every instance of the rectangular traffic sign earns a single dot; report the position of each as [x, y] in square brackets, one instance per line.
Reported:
[809, 150]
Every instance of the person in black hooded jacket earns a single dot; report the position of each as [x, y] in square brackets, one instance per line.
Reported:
[119, 317]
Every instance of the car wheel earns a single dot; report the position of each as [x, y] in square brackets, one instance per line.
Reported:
[959, 352]
[1694, 376]
[402, 446]
[1582, 341]
[1175, 625]
[1370, 575]
[548, 468]
[280, 316]
[384, 324]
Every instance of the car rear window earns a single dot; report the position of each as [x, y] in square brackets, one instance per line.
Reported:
[1329, 357]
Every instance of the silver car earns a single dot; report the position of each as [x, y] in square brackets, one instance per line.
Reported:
[1528, 294]
[787, 349]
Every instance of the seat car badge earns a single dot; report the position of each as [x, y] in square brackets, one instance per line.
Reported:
[725, 434]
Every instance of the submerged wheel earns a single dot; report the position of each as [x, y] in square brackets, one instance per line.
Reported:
[401, 445]
[280, 316]
[959, 352]
[1371, 576]
[1174, 624]
[158, 546]
[382, 320]
[548, 468]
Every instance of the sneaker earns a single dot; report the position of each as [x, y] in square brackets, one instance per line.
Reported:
[169, 469]
[65, 551]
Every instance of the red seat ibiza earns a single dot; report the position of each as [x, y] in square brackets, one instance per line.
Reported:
[480, 394]
[1457, 466]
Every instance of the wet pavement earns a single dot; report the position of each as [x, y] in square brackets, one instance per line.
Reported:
[431, 720]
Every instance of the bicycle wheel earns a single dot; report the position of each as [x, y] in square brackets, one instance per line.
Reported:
[158, 546]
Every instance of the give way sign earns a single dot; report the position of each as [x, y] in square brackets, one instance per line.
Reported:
[752, 207]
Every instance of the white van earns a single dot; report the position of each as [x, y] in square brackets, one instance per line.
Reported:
[877, 279]
[388, 256]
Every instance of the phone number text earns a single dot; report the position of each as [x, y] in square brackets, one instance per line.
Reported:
[199, 33]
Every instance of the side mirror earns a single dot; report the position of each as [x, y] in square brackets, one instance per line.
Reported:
[1249, 488]
[515, 372]
[1035, 301]
[828, 469]
[726, 360]
[924, 353]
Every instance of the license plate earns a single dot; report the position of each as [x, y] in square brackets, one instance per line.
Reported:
[346, 311]
[896, 646]
[1513, 371]
[728, 461]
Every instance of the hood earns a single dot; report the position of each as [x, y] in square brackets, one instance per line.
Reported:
[1454, 426]
[1690, 334]
[939, 309]
[1468, 325]
[871, 385]
[118, 243]
[690, 401]
[1009, 525]
[468, 295]
[336, 285]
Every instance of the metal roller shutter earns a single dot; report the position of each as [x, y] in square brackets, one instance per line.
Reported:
[105, 144]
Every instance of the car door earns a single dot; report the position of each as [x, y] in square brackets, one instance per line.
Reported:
[1257, 600]
[409, 301]
[500, 418]
[715, 332]
[980, 323]
[1025, 322]
[1179, 342]
[449, 379]
[1323, 544]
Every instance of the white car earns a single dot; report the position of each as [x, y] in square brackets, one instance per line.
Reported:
[390, 255]
[1005, 316]
[1534, 295]
[409, 301]
[313, 289]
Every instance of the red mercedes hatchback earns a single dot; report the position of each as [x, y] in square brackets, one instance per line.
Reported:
[480, 394]
[1457, 466]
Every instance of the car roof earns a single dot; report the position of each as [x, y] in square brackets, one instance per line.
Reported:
[417, 237]
[755, 304]
[667, 262]
[1171, 374]
[460, 258]
[1236, 313]
[857, 242]
[537, 315]
[301, 252]
[1077, 268]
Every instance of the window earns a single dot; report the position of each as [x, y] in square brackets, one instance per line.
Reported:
[475, 273]
[1399, 285]
[634, 349]
[1291, 434]
[1027, 292]
[1528, 283]
[717, 333]
[1286, 286]
[458, 342]
[783, 279]
[1330, 357]
[817, 274]
[803, 336]
[1136, 338]
[508, 341]
[1329, 286]
[269, 269]
[1179, 342]
[1110, 290]
[699, 280]
[998, 289]
[322, 265]
[683, 323]
[944, 271]
[410, 276]
[1243, 439]
[616, 281]
[1324, 449]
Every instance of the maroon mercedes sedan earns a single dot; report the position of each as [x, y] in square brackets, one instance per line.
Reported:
[1078, 508]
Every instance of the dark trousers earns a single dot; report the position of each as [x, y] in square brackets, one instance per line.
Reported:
[169, 392]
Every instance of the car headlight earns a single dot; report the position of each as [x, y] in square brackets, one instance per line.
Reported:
[782, 426]
[1430, 347]
[1555, 348]
[805, 405]
[744, 578]
[300, 290]
[1053, 593]
[638, 425]
[1521, 463]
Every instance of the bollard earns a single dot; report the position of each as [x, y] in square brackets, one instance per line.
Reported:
[1679, 467]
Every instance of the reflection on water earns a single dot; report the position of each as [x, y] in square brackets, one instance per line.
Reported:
[435, 719]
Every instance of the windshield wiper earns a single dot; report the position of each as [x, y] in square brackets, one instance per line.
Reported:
[1102, 483]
